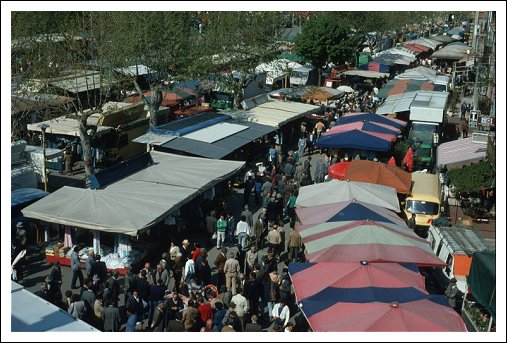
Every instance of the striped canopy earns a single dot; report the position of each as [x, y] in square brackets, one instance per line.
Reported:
[365, 240]
[347, 211]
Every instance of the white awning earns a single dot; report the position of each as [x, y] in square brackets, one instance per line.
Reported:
[138, 201]
[216, 132]
[275, 113]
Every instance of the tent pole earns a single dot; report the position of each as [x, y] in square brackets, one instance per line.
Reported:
[490, 323]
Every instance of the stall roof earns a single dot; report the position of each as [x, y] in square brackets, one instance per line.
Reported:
[452, 52]
[222, 147]
[427, 42]
[397, 103]
[138, 201]
[275, 113]
[34, 314]
[366, 73]
[460, 152]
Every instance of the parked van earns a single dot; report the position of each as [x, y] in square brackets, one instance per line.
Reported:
[424, 198]
[454, 246]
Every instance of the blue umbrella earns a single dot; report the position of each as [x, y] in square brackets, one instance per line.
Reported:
[354, 140]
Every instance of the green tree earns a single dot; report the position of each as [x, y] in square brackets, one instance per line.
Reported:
[472, 178]
[324, 39]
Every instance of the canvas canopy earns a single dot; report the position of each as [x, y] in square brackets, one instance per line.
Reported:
[379, 173]
[482, 279]
[138, 201]
[336, 191]
[366, 240]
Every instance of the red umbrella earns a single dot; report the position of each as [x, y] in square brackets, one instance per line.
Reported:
[337, 171]
[392, 162]
[408, 160]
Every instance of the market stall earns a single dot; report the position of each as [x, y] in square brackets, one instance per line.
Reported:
[126, 209]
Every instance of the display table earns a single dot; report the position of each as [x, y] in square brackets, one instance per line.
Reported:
[140, 253]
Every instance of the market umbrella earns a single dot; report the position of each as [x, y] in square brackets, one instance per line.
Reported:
[347, 211]
[335, 191]
[364, 126]
[363, 296]
[377, 118]
[340, 276]
[337, 171]
[379, 173]
[408, 160]
[392, 162]
[355, 241]
[413, 312]
[357, 139]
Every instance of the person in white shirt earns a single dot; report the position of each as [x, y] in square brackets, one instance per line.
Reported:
[281, 313]
[189, 272]
[241, 307]
[242, 232]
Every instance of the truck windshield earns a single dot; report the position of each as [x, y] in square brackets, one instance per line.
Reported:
[422, 132]
[300, 74]
[422, 207]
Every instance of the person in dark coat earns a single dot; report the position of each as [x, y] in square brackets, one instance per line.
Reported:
[55, 282]
[157, 293]
[98, 270]
[43, 291]
[143, 286]
[218, 317]
[253, 326]
[135, 304]
[175, 325]
[173, 305]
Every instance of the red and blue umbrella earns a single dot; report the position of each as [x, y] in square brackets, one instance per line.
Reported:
[347, 211]
[369, 297]
[364, 126]
[355, 241]
[372, 117]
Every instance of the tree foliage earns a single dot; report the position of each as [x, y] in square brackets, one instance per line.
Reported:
[325, 39]
[472, 178]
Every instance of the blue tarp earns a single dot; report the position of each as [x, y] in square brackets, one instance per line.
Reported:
[354, 140]
[372, 117]
[25, 195]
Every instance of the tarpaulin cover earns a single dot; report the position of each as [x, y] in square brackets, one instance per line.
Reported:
[365, 240]
[336, 191]
[379, 173]
[25, 195]
[482, 279]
